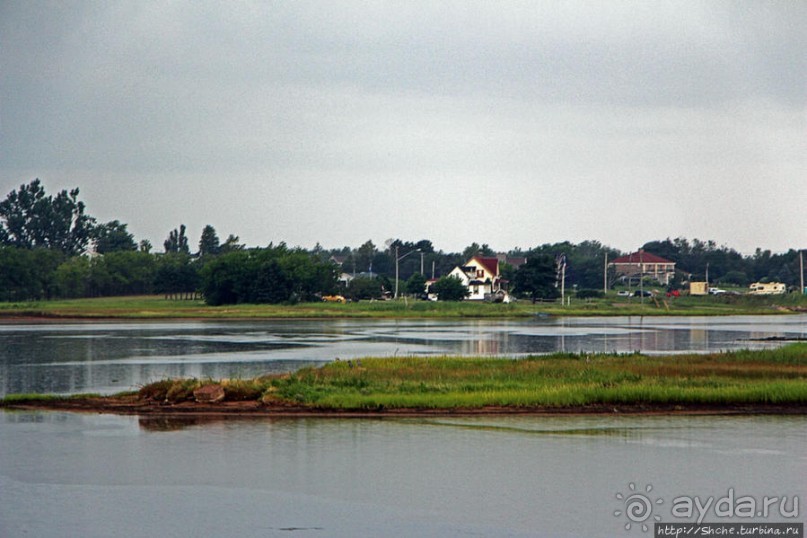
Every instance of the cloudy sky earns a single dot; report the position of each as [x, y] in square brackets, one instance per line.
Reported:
[507, 123]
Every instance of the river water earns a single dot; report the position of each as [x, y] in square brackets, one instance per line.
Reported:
[110, 357]
[80, 475]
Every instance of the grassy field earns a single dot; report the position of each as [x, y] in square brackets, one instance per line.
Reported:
[742, 378]
[157, 307]
[745, 377]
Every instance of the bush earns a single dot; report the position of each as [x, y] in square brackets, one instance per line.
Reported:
[450, 288]
[590, 294]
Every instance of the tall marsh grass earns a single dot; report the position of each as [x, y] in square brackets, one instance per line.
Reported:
[745, 377]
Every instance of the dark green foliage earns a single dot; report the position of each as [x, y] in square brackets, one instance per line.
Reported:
[27, 274]
[269, 275]
[31, 219]
[475, 249]
[584, 261]
[590, 294]
[416, 285]
[536, 278]
[450, 288]
[364, 288]
[113, 237]
[209, 242]
[122, 273]
[72, 278]
[737, 278]
[176, 274]
[177, 242]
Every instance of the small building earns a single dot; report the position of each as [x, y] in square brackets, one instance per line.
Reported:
[643, 264]
[698, 288]
[481, 276]
[514, 261]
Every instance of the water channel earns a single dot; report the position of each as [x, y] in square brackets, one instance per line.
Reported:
[79, 475]
[110, 357]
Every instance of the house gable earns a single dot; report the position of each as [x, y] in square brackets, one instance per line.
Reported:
[480, 275]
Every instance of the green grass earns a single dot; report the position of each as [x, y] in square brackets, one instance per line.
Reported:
[747, 377]
[12, 399]
[758, 378]
[157, 307]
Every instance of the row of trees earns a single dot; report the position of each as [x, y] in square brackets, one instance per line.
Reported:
[45, 240]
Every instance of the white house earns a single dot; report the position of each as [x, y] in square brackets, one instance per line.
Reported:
[481, 276]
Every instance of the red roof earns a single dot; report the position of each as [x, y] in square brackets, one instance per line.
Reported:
[641, 257]
[490, 264]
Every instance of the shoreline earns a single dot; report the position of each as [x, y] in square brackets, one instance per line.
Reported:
[157, 308]
[134, 406]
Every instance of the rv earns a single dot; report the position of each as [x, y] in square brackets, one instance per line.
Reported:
[771, 288]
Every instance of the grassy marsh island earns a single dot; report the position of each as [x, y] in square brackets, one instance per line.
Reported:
[761, 381]
[157, 307]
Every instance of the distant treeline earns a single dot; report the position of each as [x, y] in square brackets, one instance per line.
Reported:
[51, 248]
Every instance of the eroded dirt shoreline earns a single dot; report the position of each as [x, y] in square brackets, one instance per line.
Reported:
[132, 405]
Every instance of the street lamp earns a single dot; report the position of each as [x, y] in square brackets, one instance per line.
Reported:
[397, 259]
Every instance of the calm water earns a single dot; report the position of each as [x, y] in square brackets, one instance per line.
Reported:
[97, 475]
[110, 357]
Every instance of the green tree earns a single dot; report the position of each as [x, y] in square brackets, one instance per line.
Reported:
[231, 244]
[28, 274]
[31, 219]
[364, 288]
[536, 278]
[450, 288]
[474, 249]
[222, 279]
[176, 275]
[416, 285]
[274, 274]
[737, 278]
[177, 242]
[72, 278]
[209, 242]
[364, 256]
[113, 237]
[123, 273]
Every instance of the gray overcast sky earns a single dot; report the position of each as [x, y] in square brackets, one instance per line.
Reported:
[507, 123]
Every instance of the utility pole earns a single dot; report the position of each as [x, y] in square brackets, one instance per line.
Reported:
[421, 262]
[641, 280]
[397, 259]
[801, 270]
[563, 282]
[605, 275]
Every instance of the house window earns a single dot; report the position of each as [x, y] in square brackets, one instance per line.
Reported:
[476, 290]
[480, 273]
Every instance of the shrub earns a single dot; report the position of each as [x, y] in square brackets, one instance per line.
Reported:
[590, 294]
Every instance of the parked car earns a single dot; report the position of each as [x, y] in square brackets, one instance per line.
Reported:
[334, 299]
[623, 293]
[716, 291]
[640, 293]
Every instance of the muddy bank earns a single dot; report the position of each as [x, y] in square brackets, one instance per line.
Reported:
[133, 405]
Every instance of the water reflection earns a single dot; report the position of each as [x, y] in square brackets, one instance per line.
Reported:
[111, 357]
[91, 475]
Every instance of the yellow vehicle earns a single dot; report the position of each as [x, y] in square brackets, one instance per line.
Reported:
[334, 299]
